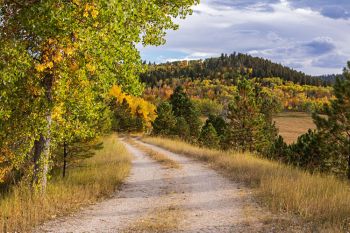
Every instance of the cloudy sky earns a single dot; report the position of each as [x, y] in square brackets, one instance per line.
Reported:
[308, 35]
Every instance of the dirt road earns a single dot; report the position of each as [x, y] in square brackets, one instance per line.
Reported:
[193, 198]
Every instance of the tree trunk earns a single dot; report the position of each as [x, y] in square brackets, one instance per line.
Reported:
[65, 155]
[42, 146]
[41, 161]
[349, 158]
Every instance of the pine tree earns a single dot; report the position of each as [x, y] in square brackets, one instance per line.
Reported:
[180, 102]
[334, 125]
[218, 123]
[165, 122]
[184, 108]
[209, 137]
[248, 126]
[308, 153]
[182, 129]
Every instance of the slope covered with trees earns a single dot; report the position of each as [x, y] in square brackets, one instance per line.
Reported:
[228, 67]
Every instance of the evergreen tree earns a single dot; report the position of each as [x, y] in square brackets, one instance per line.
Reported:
[182, 129]
[165, 122]
[123, 118]
[184, 108]
[279, 150]
[218, 123]
[209, 137]
[308, 153]
[335, 125]
[248, 127]
[180, 102]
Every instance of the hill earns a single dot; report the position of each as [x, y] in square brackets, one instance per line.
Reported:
[229, 67]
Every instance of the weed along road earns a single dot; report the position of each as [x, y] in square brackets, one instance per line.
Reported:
[188, 197]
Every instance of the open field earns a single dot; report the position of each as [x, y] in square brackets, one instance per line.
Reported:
[93, 179]
[293, 124]
[322, 202]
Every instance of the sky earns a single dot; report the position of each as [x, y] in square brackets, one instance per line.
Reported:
[308, 35]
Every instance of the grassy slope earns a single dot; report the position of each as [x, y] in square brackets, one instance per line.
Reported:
[293, 124]
[322, 201]
[93, 179]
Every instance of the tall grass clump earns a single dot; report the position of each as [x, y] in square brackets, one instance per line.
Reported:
[86, 183]
[321, 200]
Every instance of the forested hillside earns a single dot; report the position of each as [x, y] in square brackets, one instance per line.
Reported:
[212, 95]
[228, 67]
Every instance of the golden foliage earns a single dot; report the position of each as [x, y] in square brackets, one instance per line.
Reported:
[138, 106]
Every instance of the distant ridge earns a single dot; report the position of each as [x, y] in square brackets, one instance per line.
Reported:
[229, 67]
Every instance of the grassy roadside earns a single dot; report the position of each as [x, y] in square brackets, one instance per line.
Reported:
[94, 178]
[322, 201]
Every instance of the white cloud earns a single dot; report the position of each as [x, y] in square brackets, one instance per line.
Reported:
[279, 31]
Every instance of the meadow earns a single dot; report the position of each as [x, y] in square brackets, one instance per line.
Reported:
[293, 124]
[88, 182]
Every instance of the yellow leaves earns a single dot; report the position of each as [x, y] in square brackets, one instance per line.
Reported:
[57, 113]
[55, 52]
[77, 2]
[57, 57]
[86, 14]
[51, 41]
[90, 9]
[69, 50]
[117, 92]
[40, 67]
[138, 106]
[73, 66]
[49, 65]
[94, 13]
[43, 66]
[90, 67]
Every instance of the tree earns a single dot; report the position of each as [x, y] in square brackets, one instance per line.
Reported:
[182, 129]
[334, 125]
[308, 153]
[165, 122]
[249, 128]
[45, 44]
[131, 113]
[180, 102]
[184, 108]
[218, 123]
[209, 137]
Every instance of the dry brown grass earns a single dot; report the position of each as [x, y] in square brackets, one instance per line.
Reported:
[155, 155]
[164, 219]
[322, 201]
[95, 178]
[293, 124]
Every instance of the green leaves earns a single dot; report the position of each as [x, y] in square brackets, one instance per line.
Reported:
[60, 58]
